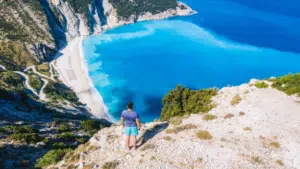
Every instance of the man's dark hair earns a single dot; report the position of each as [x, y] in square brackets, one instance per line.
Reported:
[130, 105]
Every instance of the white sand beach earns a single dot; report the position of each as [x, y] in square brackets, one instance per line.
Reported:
[74, 73]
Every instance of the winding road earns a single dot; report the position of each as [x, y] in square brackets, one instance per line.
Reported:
[26, 83]
[42, 75]
[41, 93]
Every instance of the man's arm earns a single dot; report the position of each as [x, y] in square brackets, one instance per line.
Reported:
[122, 121]
[138, 123]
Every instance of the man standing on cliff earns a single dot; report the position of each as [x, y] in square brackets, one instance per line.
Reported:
[132, 125]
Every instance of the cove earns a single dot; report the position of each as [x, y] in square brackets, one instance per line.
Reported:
[143, 61]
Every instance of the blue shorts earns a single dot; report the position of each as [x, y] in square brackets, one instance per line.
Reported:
[131, 131]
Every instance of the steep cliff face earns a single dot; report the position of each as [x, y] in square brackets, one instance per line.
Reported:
[23, 24]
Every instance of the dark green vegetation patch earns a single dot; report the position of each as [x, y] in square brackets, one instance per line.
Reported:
[11, 81]
[183, 101]
[290, 84]
[91, 126]
[52, 157]
[126, 8]
[59, 92]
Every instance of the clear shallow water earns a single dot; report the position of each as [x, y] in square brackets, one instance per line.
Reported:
[225, 43]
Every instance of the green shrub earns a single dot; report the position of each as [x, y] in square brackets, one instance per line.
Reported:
[261, 85]
[182, 101]
[81, 140]
[52, 157]
[63, 127]
[67, 136]
[9, 129]
[59, 92]
[59, 145]
[290, 84]
[46, 140]
[28, 138]
[35, 82]
[11, 81]
[24, 129]
[91, 126]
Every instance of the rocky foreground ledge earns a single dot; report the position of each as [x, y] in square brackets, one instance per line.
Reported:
[252, 126]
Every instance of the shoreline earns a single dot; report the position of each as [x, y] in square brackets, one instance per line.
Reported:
[74, 73]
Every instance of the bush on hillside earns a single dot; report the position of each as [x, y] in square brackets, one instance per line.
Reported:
[59, 92]
[63, 127]
[52, 157]
[261, 85]
[290, 84]
[67, 136]
[29, 138]
[182, 101]
[59, 145]
[35, 82]
[91, 126]
[11, 81]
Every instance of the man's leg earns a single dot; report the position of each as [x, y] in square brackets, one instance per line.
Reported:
[134, 142]
[127, 133]
[127, 141]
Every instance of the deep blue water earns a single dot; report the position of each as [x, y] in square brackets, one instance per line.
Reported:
[227, 42]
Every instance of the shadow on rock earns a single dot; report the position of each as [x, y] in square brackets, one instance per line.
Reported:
[150, 133]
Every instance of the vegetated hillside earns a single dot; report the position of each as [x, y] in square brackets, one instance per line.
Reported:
[126, 8]
[25, 36]
[253, 125]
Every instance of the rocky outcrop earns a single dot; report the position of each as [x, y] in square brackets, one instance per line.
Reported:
[113, 20]
[260, 131]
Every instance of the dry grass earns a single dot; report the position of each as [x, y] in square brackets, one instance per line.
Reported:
[110, 165]
[228, 116]
[236, 100]
[175, 120]
[247, 129]
[180, 128]
[242, 114]
[72, 157]
[204, 135]
[200, 160]
[256, 159]
[275, 145]
[152, 158]
[148, 147]
[279, 162]
[89, 166]
[167, 138]
[91, 148]
[209, 117]
[246, 91]
[112, 138]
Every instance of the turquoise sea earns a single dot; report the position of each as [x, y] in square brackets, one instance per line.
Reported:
[227, 42]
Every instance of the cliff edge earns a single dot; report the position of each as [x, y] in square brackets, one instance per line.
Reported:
[251, 126]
